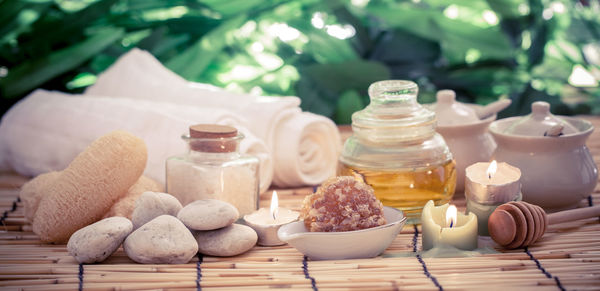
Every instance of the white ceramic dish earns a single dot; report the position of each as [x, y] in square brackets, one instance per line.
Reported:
[365, 243]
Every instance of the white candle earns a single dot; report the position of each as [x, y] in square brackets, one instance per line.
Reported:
[266, 222]
[456, 229]
[492, 182]
[488, 185]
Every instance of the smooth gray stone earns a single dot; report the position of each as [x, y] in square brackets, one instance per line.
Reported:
[96, 242]
[162, 240]
[228, 241]
[208, 214]
[153, 204]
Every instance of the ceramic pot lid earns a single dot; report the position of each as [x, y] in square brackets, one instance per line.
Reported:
[540, 122]
[451, 112]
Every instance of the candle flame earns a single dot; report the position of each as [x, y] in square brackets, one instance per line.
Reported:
[451, 216]
[274, 205]
[491, 170]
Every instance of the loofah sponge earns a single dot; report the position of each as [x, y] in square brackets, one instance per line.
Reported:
[342, 204]
[90, 185]
[124, 207]
[33, 191]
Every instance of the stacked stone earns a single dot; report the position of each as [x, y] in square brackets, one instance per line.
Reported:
[162, 231]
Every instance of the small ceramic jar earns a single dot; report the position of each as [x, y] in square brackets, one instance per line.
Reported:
[557, 168]
[465, 130]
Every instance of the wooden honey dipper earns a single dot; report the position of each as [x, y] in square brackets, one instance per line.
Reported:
[519, 224]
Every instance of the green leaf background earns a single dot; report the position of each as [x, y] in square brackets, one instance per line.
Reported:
[525, 50]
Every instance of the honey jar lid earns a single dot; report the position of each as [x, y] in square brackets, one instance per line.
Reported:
[394, 131]
[394, 113]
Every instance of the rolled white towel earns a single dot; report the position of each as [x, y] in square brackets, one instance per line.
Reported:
[315, 142]
[46, 130]
[275, 120]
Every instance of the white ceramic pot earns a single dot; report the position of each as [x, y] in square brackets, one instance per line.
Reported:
[469, 143]
[464, 128]
[557, 172]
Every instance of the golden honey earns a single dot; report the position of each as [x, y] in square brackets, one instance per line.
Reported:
[408, 190]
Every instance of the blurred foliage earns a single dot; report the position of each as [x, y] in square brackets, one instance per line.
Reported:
[325, 52]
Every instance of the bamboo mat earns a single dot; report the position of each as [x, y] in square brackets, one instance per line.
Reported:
[567, 258]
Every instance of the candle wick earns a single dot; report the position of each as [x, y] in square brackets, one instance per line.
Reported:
[490, 176]
[274, 213]
[451, 223]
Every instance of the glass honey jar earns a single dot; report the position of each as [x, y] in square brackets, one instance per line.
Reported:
[396, 150]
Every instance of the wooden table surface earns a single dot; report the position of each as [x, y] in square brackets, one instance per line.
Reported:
[567, 258]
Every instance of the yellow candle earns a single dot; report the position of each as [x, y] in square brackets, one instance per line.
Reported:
[459, 230]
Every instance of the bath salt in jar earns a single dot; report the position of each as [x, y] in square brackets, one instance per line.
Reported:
[214, 169]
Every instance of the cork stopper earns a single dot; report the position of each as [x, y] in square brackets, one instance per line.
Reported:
[213, 138]
[212, 131]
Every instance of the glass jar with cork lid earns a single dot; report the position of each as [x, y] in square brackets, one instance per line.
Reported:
[214, 168]
[395, 149]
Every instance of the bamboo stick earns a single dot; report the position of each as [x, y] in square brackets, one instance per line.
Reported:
[325, 280]
[332, 282]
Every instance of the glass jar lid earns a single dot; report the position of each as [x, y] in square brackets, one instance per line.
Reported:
[394, 113]
[394, 131]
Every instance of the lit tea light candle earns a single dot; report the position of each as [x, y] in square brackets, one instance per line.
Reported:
[266, 222]
[444, 225]
[487, 186]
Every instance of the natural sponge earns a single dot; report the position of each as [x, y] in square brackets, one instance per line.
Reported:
[33, 191]
[124, 207]
[342, 204]
[90, 185]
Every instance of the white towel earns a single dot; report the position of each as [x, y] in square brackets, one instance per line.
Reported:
[305, 146]
[307, 150]
[46, 130]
